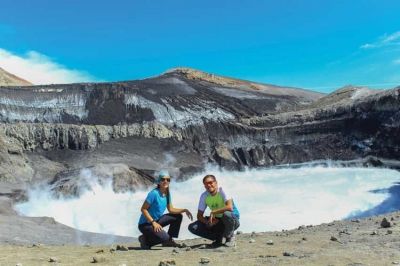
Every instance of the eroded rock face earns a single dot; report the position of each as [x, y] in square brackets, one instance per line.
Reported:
[229, 122]
[122, 178]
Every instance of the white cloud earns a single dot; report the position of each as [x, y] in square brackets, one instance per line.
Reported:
[385, 40]
[39, 69]
[397, 61]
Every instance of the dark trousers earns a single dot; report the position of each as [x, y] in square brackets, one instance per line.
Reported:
[153, 238]
[225, 227]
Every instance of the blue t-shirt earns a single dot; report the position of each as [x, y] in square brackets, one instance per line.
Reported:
[158, 204]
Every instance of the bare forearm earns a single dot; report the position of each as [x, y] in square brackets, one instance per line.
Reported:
[176, 210]
[201, 218]
[147, 215]
[222, 210]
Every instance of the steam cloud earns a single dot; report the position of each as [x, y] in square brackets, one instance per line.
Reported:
[272, 199]
[40, 69]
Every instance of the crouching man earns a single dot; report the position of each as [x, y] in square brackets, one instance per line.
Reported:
[224, 216]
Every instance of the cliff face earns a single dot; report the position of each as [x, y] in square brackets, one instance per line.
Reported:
[231, 122]
[364, 123]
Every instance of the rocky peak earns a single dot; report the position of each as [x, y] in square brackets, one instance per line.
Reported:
[199, 75]
[228, 82]
[8, 79]
[345, 95]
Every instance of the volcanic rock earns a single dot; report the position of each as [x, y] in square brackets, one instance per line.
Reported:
[385, 223]
[98, 259]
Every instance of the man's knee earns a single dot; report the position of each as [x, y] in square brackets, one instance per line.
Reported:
[228, 215]
[179, 216]
[193, 227]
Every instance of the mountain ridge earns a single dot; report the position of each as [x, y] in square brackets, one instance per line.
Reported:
[9, 79]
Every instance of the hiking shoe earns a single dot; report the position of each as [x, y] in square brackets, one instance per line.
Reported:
[216, 244]
[230, 242]
[143, 243]
[171, 243]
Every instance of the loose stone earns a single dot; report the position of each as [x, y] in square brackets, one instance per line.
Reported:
[97, 259]
[53, 259]
[385, 223]
[167, 262]
[122, 248]
[288, 254]
[252, 241]
[204, 260]
[270, 242]
[175, 251]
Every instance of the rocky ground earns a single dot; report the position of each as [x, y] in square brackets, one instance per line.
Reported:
[357, 242]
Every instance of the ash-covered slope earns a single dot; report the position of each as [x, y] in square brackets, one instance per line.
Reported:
[178, 98]
[8, 79]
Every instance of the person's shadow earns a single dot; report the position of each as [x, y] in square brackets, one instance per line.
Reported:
[197, 246]
[139, 248]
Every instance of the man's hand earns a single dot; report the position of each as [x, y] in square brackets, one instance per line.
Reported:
[212, 220]
[156, 227]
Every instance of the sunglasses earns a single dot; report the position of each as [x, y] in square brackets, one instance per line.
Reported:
[209, 183]
[165, 179]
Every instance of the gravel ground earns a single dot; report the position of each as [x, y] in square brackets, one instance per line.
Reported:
[356, 242]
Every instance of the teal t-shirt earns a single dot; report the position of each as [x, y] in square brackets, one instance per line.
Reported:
[158, 205]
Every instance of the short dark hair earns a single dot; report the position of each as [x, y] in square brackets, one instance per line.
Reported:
[209, 176]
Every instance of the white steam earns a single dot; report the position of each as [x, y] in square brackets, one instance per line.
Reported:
[273, 199]
[40, 69]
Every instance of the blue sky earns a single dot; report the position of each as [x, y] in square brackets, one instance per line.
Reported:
[319, 45]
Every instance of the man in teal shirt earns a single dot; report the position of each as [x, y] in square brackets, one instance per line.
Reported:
[224, 216]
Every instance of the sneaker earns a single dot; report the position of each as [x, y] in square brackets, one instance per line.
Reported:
[171, 243]
[230, 242]
[143, 244]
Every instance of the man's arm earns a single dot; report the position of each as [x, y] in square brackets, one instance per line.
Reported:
[228, 207]
[200, 217]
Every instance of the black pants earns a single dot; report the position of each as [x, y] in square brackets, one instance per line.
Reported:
[153, 238]
[225, 227]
